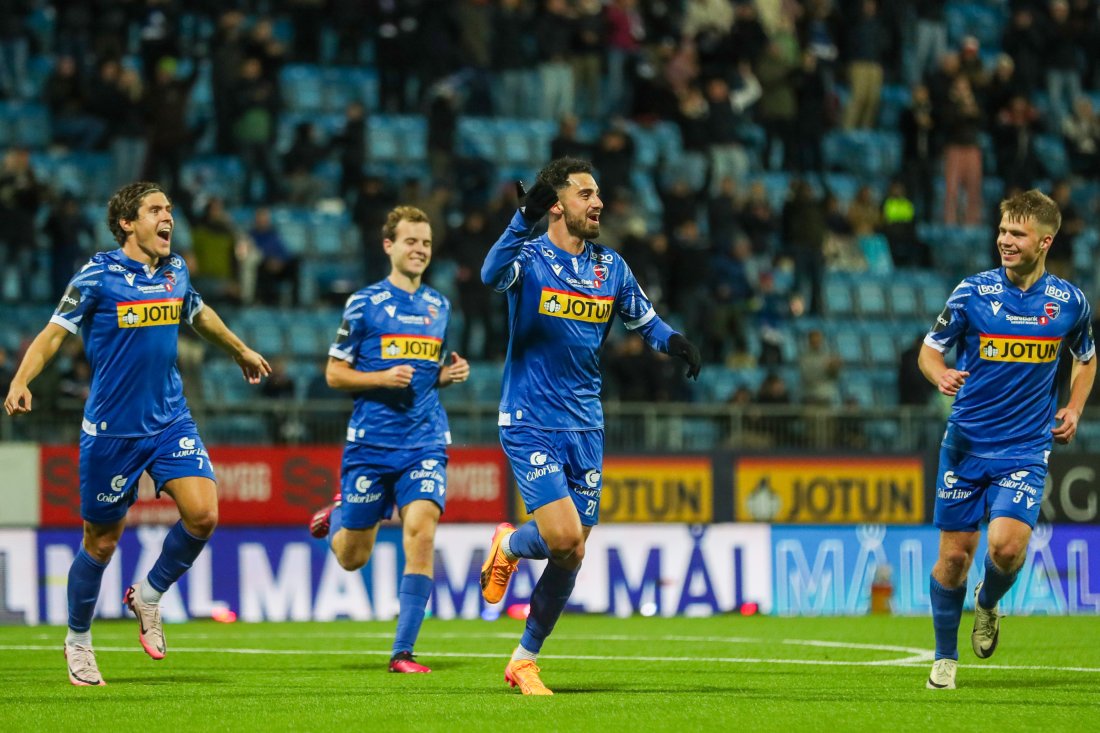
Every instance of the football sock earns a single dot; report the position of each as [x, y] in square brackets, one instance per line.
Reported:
[995, 584]
[149, 594]
[84, 638]
[85, 577]
[413, 599]
[521, 653]
[176, 555]
[527, 542]
[947, 606]
[547, 602]
[335, 523]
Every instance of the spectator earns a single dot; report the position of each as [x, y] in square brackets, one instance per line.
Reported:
[865, 52]
[804, 240]
[614, 159]
[864, 213]
[553, 37]
[819, 368]
[730, 278]
[226, 58]
[21, 194]
[778, 72]
[70, 236]
[773, 311]
[169, 137]
[1082, 137]
[511, 53]
[214, 245]
[14, 49]
[972, 67]
[302, 186]
[254, 130]
[278, 268]
[1014, 140]
[962, 165]
[758, 220]
[349, 19]
[442, 127]
[931, 38]
[900, 228]
[1063, 78]
[913, 387]
[589, 42]
[812, 117]
[66, 96]
[1061, 256]
[351, 149]
[726, 110]
[1026, 43]
[566, 144]
[774, 392]
[722, 215]
[626, 31]
[639, 374]
[919, 154]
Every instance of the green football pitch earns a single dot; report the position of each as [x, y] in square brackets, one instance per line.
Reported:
[609, 674]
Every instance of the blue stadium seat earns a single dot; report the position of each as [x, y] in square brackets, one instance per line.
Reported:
[904, 302]
[876, 251]
[838, 297]
[881, 343]
[848, 345]
[870, 298]
[302, 87]
[1051, 152]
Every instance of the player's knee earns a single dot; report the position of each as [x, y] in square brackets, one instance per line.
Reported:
[102, 549]
[351, 561]
[566, 545]
[1007, 555]
[953, 566]
[202, 523]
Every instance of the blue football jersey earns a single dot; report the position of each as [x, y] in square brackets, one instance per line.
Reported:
[385, 326]
[129, 317]
[1009, 340]
[560, 309]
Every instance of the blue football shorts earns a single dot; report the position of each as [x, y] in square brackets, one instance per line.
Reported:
[373, 480]
[553, 464]
[110, 467]
[968, 486]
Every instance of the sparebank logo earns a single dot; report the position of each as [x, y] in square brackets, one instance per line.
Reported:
[187, 444]
[362, 484]
[575, 307]
[538, 458]
[592, 478]
[118, 483]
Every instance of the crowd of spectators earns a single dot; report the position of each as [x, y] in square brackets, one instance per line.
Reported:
[726, 262]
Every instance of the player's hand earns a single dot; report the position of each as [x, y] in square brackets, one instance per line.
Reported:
[951, 381]
[457, 371]
[679, 346]
[18, 400]
[398, 377]
[253, 366]
[1067, 427]
[537, 201]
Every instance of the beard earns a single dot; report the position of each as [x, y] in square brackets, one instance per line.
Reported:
[581, 227]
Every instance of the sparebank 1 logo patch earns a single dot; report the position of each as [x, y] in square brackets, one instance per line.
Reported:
[574, 306]
[142, 313]
[410, 346]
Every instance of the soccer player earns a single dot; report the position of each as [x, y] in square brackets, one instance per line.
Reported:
[128, 305]
[388, 352]
[1009, 326]
[563, 292]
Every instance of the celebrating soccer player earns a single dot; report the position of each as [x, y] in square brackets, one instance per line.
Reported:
[563, 292]
[128, 305]
[388, 351]
[1009, 325]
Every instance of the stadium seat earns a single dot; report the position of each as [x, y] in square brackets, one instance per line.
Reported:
[870, 299]
[903, 298]
[1051, 152]
[838, 297]
[302, 87]
[848, 345]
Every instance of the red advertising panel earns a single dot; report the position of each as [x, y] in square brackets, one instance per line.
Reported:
[275, 486]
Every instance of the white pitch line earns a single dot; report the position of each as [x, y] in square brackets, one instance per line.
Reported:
[913, 661]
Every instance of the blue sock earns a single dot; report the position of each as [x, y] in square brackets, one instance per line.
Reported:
[85, 576]
[335, 522]
[176, 555]
[947, 608]
[413, 597]
[547, 602]
[527, 542]
[994, 585]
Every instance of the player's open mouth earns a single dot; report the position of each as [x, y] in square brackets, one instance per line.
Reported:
[165, 233]
[595, 217]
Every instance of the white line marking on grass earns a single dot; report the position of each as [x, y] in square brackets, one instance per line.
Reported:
[918, 659]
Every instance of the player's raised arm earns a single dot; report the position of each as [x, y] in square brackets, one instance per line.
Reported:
[208, 324]
[500, 269]
[39, 353]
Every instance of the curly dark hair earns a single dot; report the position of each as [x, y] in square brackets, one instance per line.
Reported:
[556, 173]
[125, 204]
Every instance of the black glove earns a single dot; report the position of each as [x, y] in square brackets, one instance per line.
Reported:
[537, 201]
[681, 347]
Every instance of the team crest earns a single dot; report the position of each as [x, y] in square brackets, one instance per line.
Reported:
[433, 311]
[1052, 309]
[170, 276]
[600, 271]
